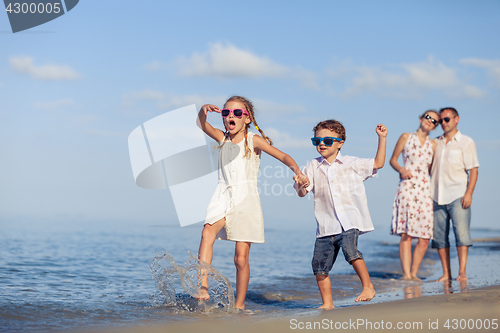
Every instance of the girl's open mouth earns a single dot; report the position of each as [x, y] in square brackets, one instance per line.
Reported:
[232, 124]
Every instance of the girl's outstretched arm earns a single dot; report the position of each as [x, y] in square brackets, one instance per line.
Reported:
[202, 123]
[260, 143]
[301, 189]
[382, 140]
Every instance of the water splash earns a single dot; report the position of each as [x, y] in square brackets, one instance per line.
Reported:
[171, 277]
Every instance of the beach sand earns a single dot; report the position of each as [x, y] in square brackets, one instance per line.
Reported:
[474, 310]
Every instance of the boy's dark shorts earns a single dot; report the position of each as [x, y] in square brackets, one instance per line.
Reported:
[327, 248]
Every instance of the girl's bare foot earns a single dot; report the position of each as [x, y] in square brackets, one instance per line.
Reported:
[203, 295]
[327, 307]
[462, 277]
[366, 295]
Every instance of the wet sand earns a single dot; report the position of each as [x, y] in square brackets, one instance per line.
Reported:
[474, 310]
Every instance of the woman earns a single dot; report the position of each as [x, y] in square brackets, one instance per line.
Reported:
[412, 214]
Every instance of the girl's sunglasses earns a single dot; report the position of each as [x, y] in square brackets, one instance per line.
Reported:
[328, 140]
[432, 120]
[238, 113]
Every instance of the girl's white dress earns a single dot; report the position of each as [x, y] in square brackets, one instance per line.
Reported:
[236, 197]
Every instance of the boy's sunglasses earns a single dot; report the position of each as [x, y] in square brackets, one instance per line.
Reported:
[328, 140]
[238, 113]
[445, 119]
[432, 120]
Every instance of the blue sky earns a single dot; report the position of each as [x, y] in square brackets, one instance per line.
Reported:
[73, 89]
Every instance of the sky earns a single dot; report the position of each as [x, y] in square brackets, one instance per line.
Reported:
[73, 89]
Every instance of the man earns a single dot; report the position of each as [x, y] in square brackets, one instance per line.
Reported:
[453, 177]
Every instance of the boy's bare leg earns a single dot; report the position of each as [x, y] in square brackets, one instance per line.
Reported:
[405, 255]
[241, 252]
[368, 291]
[418, 256]
[444, 255]
[205, 253]
[462, 251]
[325, 288]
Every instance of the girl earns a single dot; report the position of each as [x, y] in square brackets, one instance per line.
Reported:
[234, 212]
[412, 214]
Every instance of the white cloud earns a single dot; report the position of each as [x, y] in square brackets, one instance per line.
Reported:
[228, 61]
[167, 101]
[410, 80]
[283, 140]
[54, 105]
[25, 65]
[492, 67]
[269, 110]
[173, 101]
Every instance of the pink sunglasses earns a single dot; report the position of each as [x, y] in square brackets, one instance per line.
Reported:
[238, 113]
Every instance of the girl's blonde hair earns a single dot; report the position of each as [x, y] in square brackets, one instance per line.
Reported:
[249, 107]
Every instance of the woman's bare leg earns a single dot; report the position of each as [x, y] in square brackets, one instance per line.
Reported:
[418, 256]
[405, 255]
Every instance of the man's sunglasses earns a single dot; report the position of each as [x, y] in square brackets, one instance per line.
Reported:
[328, 140]
[238, 113]
[445, 119]
[432, 120]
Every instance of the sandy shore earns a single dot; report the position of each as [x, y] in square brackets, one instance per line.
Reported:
[475, 310]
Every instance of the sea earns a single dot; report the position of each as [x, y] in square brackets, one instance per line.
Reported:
[63, 277]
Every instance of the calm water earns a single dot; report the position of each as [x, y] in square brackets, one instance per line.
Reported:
[54, 277]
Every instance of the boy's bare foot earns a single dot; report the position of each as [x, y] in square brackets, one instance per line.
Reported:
[444, 278]
[327, 307]
[203, 295]
[462, 277]
[366, 295]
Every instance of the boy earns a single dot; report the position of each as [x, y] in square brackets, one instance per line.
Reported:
[340, 205]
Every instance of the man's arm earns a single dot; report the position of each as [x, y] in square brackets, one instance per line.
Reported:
[467, 198]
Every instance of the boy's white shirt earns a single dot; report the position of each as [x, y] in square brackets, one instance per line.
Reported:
[339, 193]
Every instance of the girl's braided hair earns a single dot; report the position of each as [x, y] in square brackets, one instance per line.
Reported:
[249, 107]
